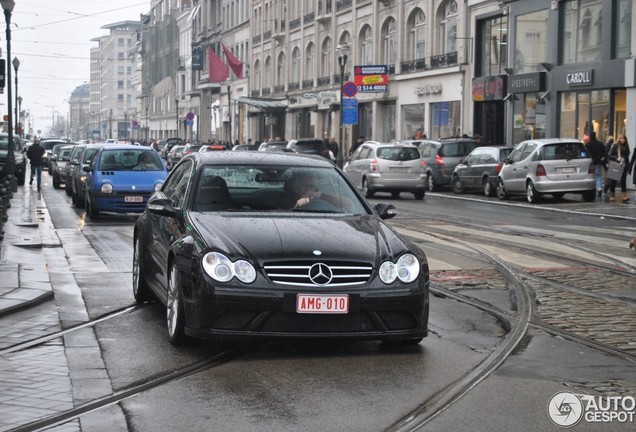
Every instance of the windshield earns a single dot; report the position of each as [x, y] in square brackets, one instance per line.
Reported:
[130, 160]
[250, 188]
[4, 143]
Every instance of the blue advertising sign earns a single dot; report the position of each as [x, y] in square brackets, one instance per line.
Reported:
[350, 111]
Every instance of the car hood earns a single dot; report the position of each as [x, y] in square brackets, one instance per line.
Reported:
[362, 238]
[124, 181]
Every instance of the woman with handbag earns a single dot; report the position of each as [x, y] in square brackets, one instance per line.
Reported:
[619, 153]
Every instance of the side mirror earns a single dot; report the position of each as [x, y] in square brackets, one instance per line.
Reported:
[65, 158]
[87, 168]
[385, 211]
[160, 205]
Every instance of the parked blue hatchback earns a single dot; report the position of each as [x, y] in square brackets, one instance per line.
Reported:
[121, 178]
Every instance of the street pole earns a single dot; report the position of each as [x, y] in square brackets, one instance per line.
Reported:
[229, 110]
[147, 126]
[176, 101]
[342, 61]
[16, 65]
[7, 6]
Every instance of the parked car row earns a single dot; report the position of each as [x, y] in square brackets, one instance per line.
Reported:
[110, 177]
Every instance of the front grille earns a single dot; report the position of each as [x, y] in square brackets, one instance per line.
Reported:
[300, 273]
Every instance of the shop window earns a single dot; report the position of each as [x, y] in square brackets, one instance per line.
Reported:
[445, 119]
[531, 36]
[413, 121]
[623, 29]
[493, 46]
[529, 117]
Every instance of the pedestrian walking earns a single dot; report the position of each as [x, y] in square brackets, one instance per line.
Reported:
[34, 154]
[332, 144]
[597, 152]
[608, 146]
[619, 153]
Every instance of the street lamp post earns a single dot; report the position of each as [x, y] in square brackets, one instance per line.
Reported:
[20, 125]
[7, 7]
[16, 65]
[147, 126]
[343, 53]
[110, 124]
[229, 110]
[125, 125]
[176, 101]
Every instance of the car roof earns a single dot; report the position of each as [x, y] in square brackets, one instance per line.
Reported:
[123, 147]
[543, 141]
[260, 158]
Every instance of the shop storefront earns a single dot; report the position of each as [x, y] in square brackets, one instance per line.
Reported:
[488, 94]
[529, 97]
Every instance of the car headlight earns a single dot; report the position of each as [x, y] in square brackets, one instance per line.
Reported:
[158, 187]
[220, 268]
[83, 179]
[107, 188]
[407, 269]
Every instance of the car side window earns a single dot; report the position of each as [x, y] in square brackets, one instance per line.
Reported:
[488, 156]
[527, 151]
[474, 157]
[517, 153]
[365, 152]
[427, 150]
[176, 186]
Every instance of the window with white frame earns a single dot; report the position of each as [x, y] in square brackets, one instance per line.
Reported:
[267, 77]
[389, 41]
[295, 67]
[366, 46]
[326, 56]
[448, 27]
[280, 72]
[309, 61]
[416, 42]
[256, 77]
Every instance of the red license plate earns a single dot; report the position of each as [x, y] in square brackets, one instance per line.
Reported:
[322, 303]
[134, 199]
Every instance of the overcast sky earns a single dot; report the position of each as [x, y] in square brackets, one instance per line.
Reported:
[51, 38]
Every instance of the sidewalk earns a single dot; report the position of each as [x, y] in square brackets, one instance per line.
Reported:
[24, 277]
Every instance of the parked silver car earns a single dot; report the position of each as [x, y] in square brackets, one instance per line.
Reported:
[547, 166]
[387, 167]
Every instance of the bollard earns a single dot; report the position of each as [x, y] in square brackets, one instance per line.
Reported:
[3, 201]
[6, 184]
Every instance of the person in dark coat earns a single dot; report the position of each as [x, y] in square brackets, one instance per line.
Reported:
[619, 153]
[598, 154]
[608, 146]
[35, 153]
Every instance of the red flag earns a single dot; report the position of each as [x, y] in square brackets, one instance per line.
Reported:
[219, 71]
[235, 63]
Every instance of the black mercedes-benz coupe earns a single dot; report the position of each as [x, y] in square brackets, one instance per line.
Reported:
[258, 244]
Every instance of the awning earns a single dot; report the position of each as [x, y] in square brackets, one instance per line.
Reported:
[265, 104]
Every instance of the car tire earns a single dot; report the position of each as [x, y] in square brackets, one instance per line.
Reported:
[75, 199]
[68, 188]
[175, 314]
[431, 184]
[56, 181]
[501, 190]
[589, 196]
[141, 291]
[368, 192]
[456, 185]
[559, 195]
[395, 194]
[531, 193]
[91, 211]
[487, 188]
[419, 194]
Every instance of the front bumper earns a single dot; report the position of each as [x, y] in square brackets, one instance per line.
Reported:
[117, 202]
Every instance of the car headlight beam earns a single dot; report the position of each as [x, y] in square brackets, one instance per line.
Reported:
[107, 188]
[406, 269]
[222, 269]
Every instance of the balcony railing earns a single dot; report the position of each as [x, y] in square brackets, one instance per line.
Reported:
[293, 86]
[309, 18]
[324, 81]
[267, 35]
[294, 24]
[324, 7]
[343, 4]
[412, 66]
[444, 60]
[255, 93]
[279, 88]
[336, 77]
[256, 40]
[308, 83]
[266, 91]
[391, 69]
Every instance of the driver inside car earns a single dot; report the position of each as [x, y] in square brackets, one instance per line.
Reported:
[302, 188]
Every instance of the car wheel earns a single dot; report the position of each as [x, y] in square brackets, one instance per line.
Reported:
[56, 181]
[558, 195]
[368, 192]
[91, 211]
[456, 185]
[175, 318]
[395, 194]
[531, 193]
[487, 187]
[419, 194]
[589, 196]
[501, 191]
[431, 183]
[141, 291]
[67, 188]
